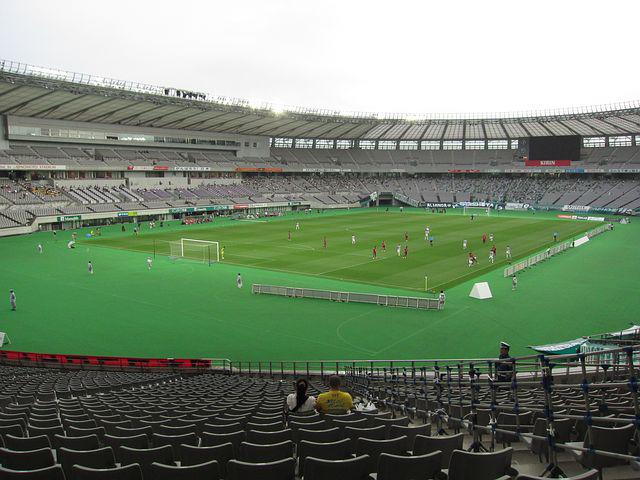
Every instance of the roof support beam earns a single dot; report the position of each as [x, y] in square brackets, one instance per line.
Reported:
[49, 110]
[25, 103]
[86, 109]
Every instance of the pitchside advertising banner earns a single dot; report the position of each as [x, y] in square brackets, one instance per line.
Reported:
[547, 163]
[13, 166]
[585, 209]
[516, 206]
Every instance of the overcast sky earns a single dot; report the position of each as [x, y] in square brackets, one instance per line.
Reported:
[429, 56]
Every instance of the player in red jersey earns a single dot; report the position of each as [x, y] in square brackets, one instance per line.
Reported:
[324, 242]
[289, 236]
[384, 246]
[405, 252]
[406, 236]
[374, 252]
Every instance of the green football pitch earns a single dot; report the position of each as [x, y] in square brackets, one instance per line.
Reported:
[186, 308]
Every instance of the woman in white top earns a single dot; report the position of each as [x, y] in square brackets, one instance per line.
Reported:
[300, 402]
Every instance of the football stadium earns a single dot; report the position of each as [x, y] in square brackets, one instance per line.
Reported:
[201, 286]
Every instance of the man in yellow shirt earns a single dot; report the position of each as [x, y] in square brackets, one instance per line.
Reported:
[334, 401]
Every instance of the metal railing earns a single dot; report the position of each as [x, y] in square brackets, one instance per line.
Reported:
[549, 252]
[423, 303]
[496, 396]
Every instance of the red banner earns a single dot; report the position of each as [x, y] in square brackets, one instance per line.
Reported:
[259, 169]
[547, 163]
[95, 360]
[148, 168]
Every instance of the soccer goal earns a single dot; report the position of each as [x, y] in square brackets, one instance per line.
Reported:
[200, 250]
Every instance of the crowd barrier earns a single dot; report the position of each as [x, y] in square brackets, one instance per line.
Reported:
[550, 252]
[337, 296]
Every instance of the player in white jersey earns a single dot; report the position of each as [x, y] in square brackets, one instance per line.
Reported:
[491, 237]
[149, 263]
[398, 249]
[39, 248]
[297, 225]
[239, 281]
[441, 299]
[508, 253]
[514, 282]
[464, 244]
[353, 239]
[90, 267]
[491, 256]
[426, 233]
[12, 299]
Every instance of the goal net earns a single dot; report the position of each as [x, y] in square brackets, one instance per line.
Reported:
[200, 250]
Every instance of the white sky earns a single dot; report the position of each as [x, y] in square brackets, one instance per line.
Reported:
[429, 56]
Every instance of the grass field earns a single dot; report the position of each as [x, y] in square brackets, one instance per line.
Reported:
[186, 308]
[265, 244]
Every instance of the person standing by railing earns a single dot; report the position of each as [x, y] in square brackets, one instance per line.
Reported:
[504, 369]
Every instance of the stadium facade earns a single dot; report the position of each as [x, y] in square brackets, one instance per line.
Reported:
[81, 148]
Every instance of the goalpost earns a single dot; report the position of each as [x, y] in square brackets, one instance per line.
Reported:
[200, 250]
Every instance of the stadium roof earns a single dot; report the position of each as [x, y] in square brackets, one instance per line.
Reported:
[39, 92]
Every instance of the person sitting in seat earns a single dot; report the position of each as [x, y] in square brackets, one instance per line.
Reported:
[334, 401]
[300, 402]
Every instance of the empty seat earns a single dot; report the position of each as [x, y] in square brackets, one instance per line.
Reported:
[28, 460]
[319, 436]
[202, 471]
[259, 453]
[401, 467]
[388, 422]
[49, 422]
[409, 432]
[268, 438]
[83, 432]
[98, 458]
[182, 430]
[50, 432]
[373, 448]
[616, 440]
[128, 472]
[196, 455]
[265, 427]
[131, 432]
[321, 425]
[280, 470]
[351, 469]
[136, 441]
[218, 429]
[48, 473]
[445, 444]
[374, 433]
[342, 424]
[340, 450]
[88, 442]
[175, 441]
[14, 429]
[146, 456]
[23, 444]
[480, 466]
[212, 439]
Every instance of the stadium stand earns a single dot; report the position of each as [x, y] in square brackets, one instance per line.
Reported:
[173, 424]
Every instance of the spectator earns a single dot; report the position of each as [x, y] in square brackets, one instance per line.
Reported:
[300, 402]
[504, 369]
[334, 401]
